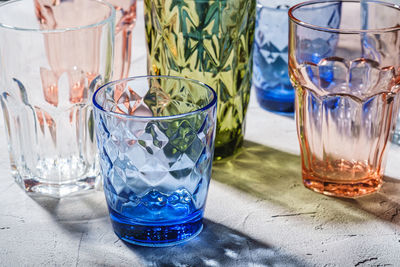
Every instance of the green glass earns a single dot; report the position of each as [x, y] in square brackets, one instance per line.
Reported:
[210, 41]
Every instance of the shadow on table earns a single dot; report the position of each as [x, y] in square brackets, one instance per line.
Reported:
[275, 176]
[73, 213]
[217, 245]
[385, 204]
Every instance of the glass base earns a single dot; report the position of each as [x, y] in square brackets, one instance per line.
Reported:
[228, 149]
[277, 99]
[343, 189]
[156, 234]
[37, 187]
[396, 137]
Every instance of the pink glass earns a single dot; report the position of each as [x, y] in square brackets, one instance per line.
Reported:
[346, 102]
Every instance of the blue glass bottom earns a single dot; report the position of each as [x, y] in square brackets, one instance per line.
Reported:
[278, 99]
[156, 234]
[396, 138]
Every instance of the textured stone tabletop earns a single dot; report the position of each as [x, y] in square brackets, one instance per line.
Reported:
[258, 213]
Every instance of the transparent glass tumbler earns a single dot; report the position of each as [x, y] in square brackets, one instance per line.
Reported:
[125, 15]
[210, 41]
[125, 18]
[155, 136]
[346, 104]
[52, 61]
[271, 80]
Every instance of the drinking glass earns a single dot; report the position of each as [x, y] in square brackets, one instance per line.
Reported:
[270, 70]
[52, 60]
[125, 21]
[346, 104]
[396, 131]
[210, 41]
[155, 136]
[125, 18]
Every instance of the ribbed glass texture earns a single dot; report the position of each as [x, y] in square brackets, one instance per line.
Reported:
[210, 41]
[58, 13]
[346, 103]
[125, 19]
[52, 60]
[156, 142]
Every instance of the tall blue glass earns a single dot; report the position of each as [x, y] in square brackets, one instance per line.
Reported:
[270, 59]
[155, 136]
[270, 68]
[396, 131]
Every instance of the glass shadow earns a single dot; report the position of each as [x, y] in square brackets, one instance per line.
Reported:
[217, 245]
[275, 176]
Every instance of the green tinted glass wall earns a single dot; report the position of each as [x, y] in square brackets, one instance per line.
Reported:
[210, 41]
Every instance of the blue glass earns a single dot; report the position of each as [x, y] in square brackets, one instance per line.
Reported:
[270, 69]
[396, 132]
[155, 136]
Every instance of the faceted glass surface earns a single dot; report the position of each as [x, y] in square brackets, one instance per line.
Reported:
[210, 41]
[156, 140]
[347, 102]
[270, 70]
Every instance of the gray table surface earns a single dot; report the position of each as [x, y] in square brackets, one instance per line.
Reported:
[258, 213]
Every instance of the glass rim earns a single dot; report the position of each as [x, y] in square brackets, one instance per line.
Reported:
[206, 107]
[299, 22]
[261, 5]
[109, 19]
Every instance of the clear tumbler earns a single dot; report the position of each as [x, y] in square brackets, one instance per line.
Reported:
[52, 59]
[346, 103]
[125, 18]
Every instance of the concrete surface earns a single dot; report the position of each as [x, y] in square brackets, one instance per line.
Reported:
[258, 213]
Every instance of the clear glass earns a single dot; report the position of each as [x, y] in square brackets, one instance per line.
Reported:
[125, 18]
[270, 70]
[125, 22]
[346, 104]
[155, 137]
[210, 41]
[50, 67]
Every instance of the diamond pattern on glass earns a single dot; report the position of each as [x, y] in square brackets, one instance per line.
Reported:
[209, 41]
[152, 163]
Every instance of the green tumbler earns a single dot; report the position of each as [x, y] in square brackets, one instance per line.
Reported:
[210, 41]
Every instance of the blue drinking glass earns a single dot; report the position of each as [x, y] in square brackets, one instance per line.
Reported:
[270, 68]
[155, 136]
[396, 131]
[270, 60]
